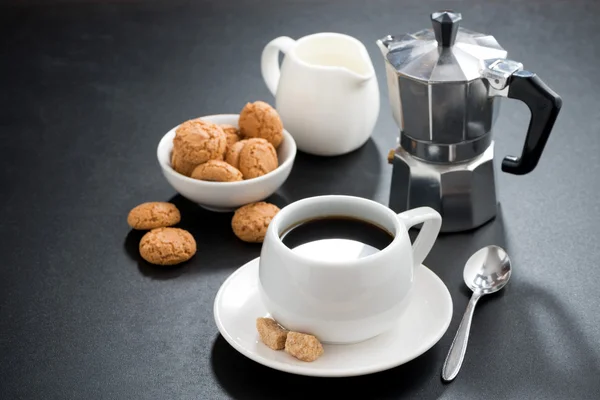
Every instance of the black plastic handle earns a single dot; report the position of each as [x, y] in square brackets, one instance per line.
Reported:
[544, 105]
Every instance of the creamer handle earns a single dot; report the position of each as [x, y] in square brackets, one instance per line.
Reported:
[270, 60]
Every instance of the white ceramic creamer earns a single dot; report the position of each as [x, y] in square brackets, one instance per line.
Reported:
[326, 91]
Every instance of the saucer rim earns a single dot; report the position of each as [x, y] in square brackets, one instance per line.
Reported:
[307, 370]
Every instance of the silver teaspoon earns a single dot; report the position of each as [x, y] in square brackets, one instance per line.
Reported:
[487, 271]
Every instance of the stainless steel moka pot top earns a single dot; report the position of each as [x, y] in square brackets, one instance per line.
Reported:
[443, 86]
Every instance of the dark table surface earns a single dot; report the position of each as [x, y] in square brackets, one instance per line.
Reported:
[87, 90]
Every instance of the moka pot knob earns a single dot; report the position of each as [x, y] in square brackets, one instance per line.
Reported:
[445, 27]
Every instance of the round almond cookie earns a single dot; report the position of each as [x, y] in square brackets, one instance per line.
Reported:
[232, 134]
[180, 165]
[197, 141]
[257, 158]
[232, 156]
[250, 222]
[216, 171]
[156, 214]
[260, 120]
[167, 246]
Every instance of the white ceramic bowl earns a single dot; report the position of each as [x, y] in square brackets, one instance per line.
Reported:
[226, 196]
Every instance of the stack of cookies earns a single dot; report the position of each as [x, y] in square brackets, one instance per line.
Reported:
[163, 244]
[223, 153]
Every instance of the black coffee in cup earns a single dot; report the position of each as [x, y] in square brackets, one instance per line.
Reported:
[336, 238]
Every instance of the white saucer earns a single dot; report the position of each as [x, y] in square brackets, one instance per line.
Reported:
[238, 304]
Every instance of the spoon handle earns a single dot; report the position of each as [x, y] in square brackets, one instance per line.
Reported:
[457, 351]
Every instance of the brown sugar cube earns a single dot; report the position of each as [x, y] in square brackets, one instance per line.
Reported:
[260, 120]
[302, 346]
[271, 333]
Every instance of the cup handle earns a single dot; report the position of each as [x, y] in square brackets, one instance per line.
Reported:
[432, 222]
[270, 60]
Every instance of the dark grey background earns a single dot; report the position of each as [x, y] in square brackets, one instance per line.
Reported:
[88, 89]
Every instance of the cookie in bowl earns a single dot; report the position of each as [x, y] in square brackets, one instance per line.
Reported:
[232, 155]
[260, 120]
[232, 134]
[180, 165]
[197, 141]
[257, 158]
[216, 171]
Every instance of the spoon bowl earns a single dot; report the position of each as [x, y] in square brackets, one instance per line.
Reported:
[488, 270]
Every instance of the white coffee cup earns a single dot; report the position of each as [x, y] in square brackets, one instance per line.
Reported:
[343, 301]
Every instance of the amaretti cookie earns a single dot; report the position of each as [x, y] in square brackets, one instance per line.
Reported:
[152, 215]
[197, 141]
[250, 222]
[232, 134]
[260, 120]
[216, 171]
[180, 165]
[257, 157]
[167, 246]
[232, 156]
